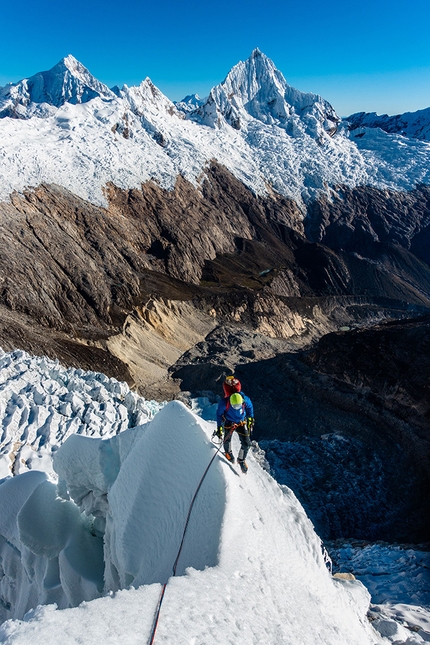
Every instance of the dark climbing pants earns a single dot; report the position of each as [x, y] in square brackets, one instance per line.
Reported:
[245, 440]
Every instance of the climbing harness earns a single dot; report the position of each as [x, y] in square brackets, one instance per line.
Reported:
[175, 564]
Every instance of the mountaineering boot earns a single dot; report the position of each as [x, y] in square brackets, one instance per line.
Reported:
[243, 465]
[229, 456]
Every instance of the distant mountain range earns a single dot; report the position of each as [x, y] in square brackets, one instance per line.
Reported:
[166, 244]
[411, 124]
[63, 126]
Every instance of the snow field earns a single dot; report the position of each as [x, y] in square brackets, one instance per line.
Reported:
[282, 138]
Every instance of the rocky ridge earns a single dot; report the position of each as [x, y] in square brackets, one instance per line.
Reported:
[102, 277]
[355, 220]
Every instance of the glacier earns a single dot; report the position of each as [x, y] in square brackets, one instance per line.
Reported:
[86, 547]
[42, 404]
[65, 127]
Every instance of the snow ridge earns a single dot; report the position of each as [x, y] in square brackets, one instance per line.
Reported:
[251, 570]
[410, 124]
[250, 556]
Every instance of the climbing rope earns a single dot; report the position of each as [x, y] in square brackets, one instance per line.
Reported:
[175, 564]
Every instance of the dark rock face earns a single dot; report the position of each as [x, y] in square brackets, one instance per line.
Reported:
[19, 331]
[186, 227]
[353, 220]
[391, 360]
[70, 264]
[348, 490]
[80, 269]
[345, 424]
[359, 462]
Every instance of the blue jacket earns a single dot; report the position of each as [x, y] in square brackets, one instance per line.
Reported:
[227, 414]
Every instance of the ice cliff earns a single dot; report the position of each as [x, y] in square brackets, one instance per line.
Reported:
[251, 569]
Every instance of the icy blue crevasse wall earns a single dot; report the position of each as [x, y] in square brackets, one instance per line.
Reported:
[116, 518]
[47, 551]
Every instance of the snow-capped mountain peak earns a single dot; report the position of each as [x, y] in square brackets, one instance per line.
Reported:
[255, 77]
[254, 123]
[146, 97]
[189, 103]
[72, 64]
[67, 82]
[256, 88]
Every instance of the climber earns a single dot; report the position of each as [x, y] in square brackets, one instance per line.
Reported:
[236, 413]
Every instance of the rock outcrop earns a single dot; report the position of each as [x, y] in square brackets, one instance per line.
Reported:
[356, 219]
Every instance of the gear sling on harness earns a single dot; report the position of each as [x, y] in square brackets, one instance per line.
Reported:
[244, 436]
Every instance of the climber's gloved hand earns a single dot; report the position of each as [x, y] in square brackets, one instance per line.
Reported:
[220, 432]
[250, 424]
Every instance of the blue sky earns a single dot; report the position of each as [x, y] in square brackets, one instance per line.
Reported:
[370, 55]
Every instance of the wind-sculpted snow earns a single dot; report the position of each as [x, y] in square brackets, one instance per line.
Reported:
[251, 568]
[146, 472]
[149, 472]
[47, 551]
[265, 132]
[41, 404]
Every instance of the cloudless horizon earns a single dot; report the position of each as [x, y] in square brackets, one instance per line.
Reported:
[372, 57]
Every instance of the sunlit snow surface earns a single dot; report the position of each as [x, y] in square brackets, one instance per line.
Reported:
[251, 570]
[268, 134]
[78, 149]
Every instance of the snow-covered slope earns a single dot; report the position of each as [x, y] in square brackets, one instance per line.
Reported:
[75, 132]
[410, 124]
[251, 569]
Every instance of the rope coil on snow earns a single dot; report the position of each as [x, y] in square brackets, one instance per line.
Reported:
[175, 564]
